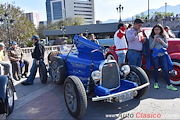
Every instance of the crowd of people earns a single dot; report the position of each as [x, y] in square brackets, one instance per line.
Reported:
[130, 41]
[14, 69]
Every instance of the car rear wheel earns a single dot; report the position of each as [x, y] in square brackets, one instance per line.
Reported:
[138, 76]
[75, 97]
[175, 79]
[57, 70]
[43, 72]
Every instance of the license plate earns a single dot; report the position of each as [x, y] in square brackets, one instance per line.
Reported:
[126, 96]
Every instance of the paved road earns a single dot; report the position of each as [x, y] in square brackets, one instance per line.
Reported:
[46, 101]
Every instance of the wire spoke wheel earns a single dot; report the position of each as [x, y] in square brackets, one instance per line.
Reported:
[132, 76]
[57, 70]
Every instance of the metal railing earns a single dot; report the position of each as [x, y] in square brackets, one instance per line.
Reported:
[28, 50]
[47, 49]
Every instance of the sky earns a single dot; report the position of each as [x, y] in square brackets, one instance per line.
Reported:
[104, 9]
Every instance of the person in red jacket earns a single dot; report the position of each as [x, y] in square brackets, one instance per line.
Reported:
[121, 44]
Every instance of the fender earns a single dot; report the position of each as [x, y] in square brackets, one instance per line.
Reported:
[113, 53]
[3, 85]
[175, 56]
[61, 61]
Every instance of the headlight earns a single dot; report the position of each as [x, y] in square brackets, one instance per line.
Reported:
[96, 75]
[125, 69]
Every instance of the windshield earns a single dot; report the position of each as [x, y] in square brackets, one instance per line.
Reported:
[65, 48]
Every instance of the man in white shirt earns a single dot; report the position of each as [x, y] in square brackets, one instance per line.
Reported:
[121, 44]
[93, 39]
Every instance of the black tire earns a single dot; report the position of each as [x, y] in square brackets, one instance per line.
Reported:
[75, 97]
[139, 76]
[57, 70]
[9, 101]
[43, 72]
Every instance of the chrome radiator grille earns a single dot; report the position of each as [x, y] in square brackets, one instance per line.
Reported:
[110, 76]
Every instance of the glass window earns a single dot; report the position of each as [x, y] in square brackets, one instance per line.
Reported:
[57, 10]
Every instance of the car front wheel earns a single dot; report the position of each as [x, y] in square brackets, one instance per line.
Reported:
[138, 76]
[75, 97]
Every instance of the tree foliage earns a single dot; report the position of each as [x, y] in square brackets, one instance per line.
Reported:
[162, 14]
[21, 30]
[57, 25]
[155, 14]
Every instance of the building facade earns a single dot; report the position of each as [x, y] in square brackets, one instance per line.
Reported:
[34, 17]
[61, 9]
[44, 23]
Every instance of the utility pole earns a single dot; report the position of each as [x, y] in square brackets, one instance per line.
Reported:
[148, 10]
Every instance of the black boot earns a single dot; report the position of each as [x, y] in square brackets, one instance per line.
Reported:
[24, 74]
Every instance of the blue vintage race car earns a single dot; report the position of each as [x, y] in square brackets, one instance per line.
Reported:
[86, 74]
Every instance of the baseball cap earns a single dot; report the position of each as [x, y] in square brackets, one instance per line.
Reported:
[2, 45]
[35, 37]
[14, 43]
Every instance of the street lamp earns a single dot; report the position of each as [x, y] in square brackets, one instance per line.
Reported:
[120, 9]
[86, 31]
[7, 22]
[63, 30]
[165, 8]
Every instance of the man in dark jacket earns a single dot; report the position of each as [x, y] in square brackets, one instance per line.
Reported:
[38, 55]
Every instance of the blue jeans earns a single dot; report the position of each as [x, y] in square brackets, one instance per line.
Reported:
[121, 57]
[163, 63]
[134, 58]
[33, 71]
[7, 69]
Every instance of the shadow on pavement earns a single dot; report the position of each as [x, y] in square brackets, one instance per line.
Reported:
[162, 92]
[105, 110]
